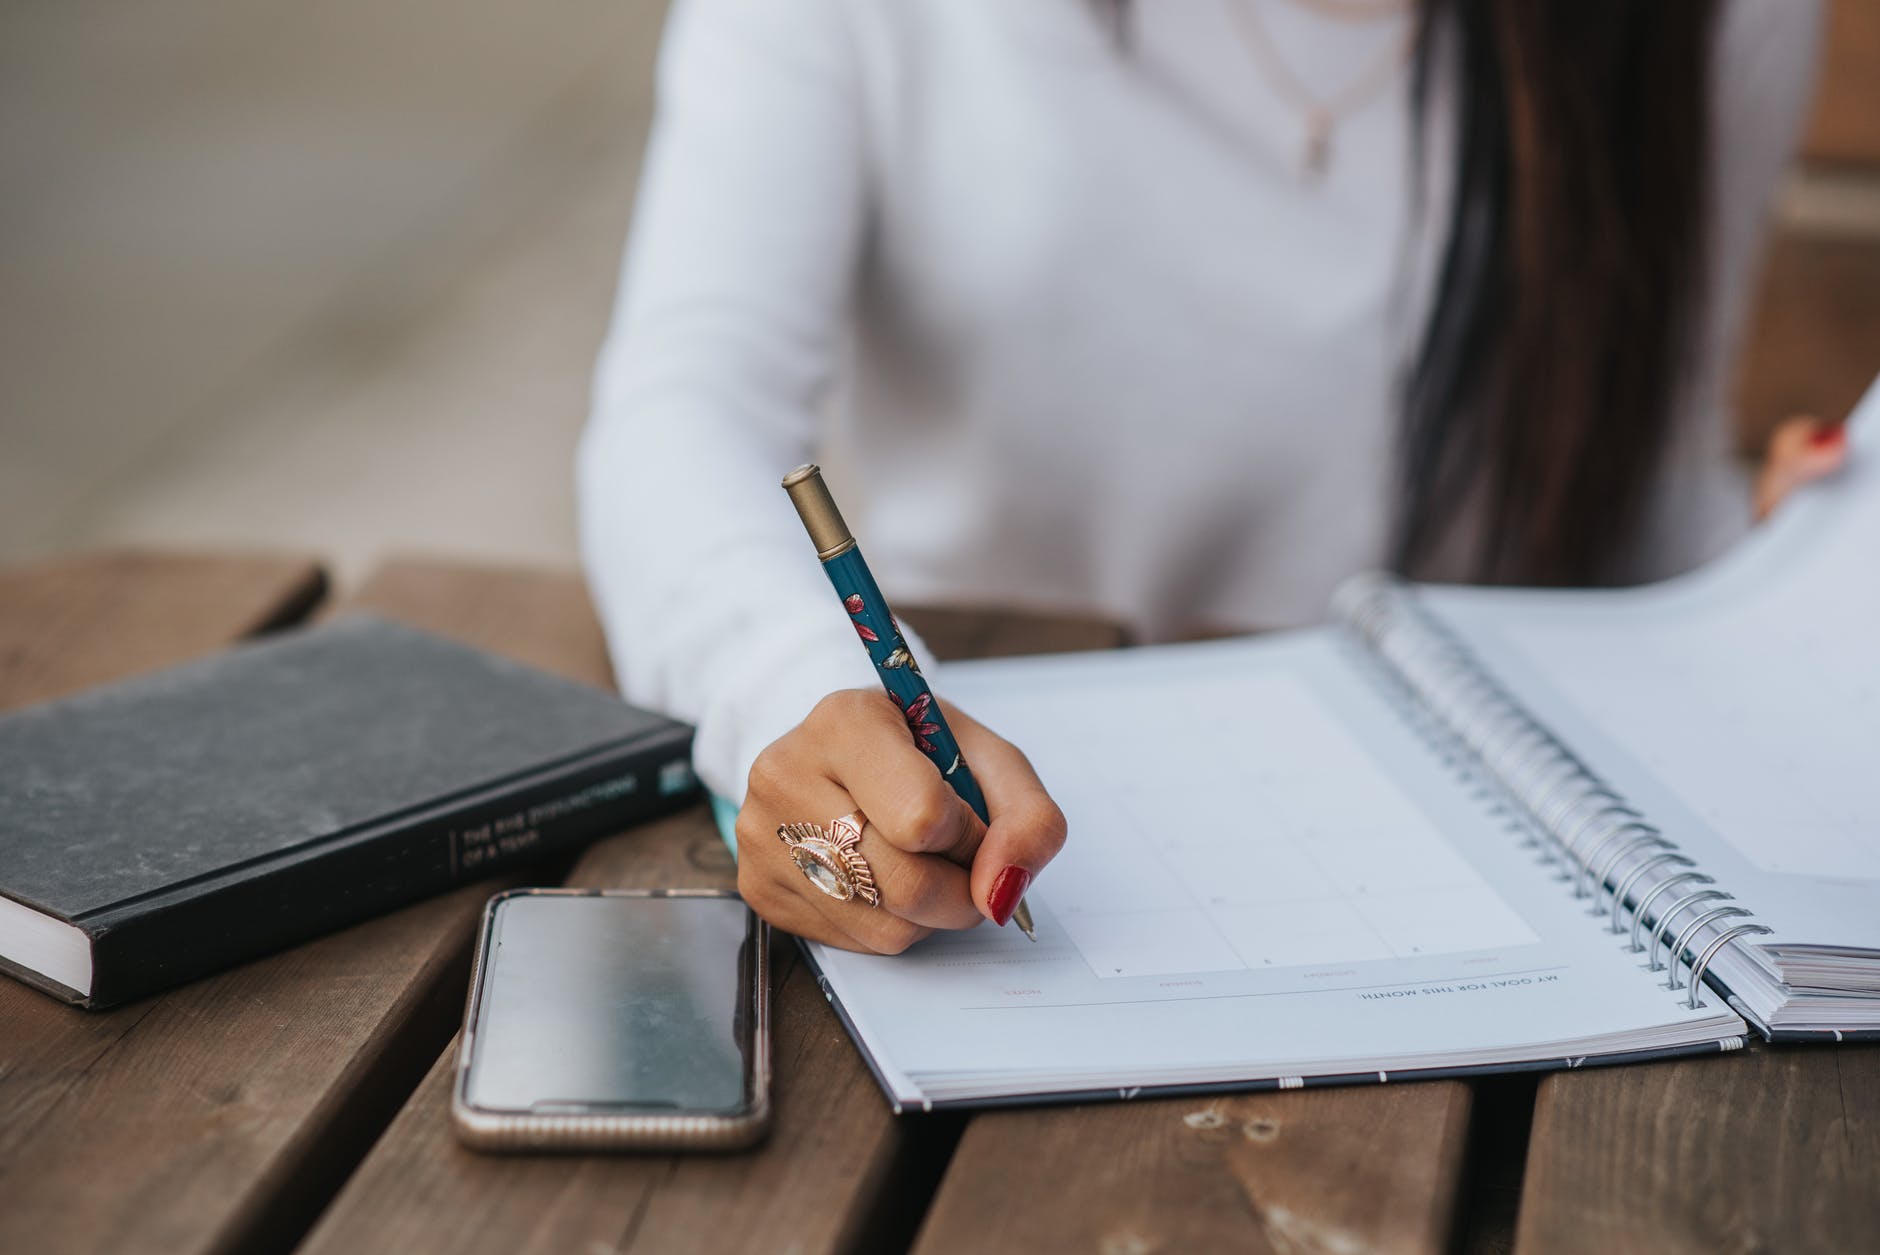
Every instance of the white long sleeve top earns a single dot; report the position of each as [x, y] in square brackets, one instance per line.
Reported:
[1072, 325]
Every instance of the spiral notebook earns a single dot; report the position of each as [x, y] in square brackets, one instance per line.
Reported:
[1454, 830]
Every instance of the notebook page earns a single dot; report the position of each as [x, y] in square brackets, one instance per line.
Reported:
[1737, 707]
[1268, 874]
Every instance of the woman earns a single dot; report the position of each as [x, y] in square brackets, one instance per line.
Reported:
[1177, 312]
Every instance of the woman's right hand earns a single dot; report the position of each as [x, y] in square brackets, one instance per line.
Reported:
[935, 864]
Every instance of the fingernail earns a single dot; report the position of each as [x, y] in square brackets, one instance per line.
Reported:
[1006, 893]
[1827, 435]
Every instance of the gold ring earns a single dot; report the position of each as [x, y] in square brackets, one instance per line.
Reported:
[831, 858]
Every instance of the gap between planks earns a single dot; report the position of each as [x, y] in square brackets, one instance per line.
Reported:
[839, 1173]
[226, 1112]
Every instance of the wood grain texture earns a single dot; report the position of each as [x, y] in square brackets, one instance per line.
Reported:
[834, 1155]
[225, 1113]
[71, 623]
[954, 632]
[540, 617]
[1375, 1168]
[1309, 1170]
[1846, 123]
[1773, 1149]
[1813, 347]
[838, 1173]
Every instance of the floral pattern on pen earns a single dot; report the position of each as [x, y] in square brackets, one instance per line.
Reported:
[899, 656]
[854, 604]
[918, 723]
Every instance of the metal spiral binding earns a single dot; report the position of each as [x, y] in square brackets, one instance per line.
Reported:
[1654, 893]
[1577, 820]
[1717, 943]
[1624, 887]
[1689, 936]
[1602, 879]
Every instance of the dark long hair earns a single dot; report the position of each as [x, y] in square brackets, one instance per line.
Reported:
[1541, 396]
[1539, 399]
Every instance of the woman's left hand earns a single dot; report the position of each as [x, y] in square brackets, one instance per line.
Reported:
[1803, 449]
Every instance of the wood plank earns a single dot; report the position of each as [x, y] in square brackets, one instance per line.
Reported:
[539, 617]
[70, 623]
[1811, 347]
[1375, 1168]
[1846, 123]
[1774, 1149]
[839, 1173]
[225, 1113]
[835, 1155]
[957, 632]
[1358, 1169]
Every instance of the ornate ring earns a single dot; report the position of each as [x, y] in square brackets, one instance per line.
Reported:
[831, 858]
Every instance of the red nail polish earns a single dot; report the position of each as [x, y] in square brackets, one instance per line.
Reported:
[1827, 435]
[1006, 892]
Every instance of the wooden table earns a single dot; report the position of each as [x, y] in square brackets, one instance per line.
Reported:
[299, 1102]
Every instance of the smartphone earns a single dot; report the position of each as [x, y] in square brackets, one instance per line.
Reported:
[616, 1019]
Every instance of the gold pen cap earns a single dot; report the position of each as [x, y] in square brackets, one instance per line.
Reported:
[811, 498]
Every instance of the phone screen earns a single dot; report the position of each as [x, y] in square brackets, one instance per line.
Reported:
[616, 1002]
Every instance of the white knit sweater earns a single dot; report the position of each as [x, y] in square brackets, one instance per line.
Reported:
[1073, 328]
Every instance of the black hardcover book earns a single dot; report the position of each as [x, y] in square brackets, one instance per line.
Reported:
[162, 828]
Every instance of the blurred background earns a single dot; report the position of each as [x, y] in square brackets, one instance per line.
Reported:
[331, 277]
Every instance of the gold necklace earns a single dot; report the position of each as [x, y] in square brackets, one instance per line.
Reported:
[1322, 114]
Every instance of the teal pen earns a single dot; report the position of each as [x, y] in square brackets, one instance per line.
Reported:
[881, 636]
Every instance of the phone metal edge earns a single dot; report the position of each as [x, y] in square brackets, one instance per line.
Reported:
[485, 1130]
